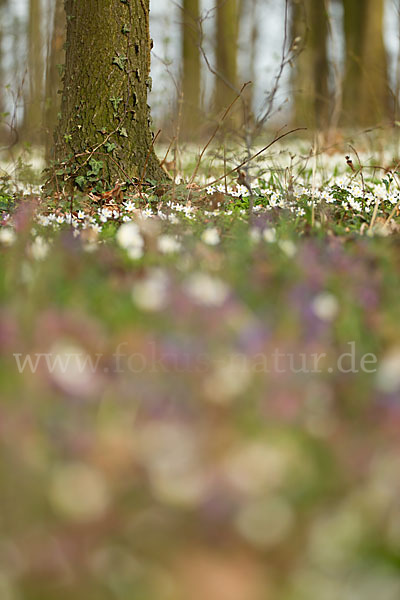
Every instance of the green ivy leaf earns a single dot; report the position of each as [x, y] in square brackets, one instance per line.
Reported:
[120, 60]
[80, 181]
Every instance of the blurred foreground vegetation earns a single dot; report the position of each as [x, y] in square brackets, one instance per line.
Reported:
[178, 459]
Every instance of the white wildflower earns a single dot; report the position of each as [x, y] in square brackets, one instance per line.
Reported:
[150, 293]
[211, 236]
[39, 248]
[269, 234]
[129, 237]
[207, 290]
[288, 248]
[147, 213]
[129, 206]
[7, 236]
[325, 306]
[167, 244]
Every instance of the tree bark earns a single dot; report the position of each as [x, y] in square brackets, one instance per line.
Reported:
[105, 115]
[310, 23]
[32, 130]
[191, 73]
[226, 54]
[2, 103]
[55, 66]
[366, 90]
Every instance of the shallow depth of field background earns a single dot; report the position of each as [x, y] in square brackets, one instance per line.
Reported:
[151, 448]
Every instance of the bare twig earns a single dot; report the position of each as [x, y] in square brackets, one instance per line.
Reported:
[276, 139]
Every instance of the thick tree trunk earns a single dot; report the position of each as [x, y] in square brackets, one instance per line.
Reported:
[226, 53]
[366, 92]
[105, 114]
[55, 65]
[32, 130]
[191, 74]
[310, 77]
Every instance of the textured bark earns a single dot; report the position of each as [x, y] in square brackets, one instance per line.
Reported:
[55, 65]
[191, 73]
[104, 102]
[32, 130]
[226, 53]
[310, 22]
[366, 92]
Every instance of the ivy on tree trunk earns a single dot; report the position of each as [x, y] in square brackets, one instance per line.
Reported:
[105, 118]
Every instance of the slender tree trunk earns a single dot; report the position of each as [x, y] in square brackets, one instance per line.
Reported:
[191, 75]
[2, 82]
[105, 116]
[226, 53]
[366, 91]
[310, 23]
[55, 66]
[33, 114]
[2, 102]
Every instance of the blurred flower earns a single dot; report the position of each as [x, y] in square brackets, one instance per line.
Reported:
[288, 248]
[229, 379]
[167, 244]
[206, 289]
[256, 466]
[72, 369]
[7, 236]
[325, 306]
[388, 375]
[135, 252]
[39, 248]
[211, 236]
[269, 235]
[265, 522]
[129, 237]
[255, 235]
[171, 454]
[150, 293]
[79, 492]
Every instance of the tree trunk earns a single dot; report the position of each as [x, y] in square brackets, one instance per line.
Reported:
[105, 115]
[226, 54]
[55, 65]
[2, 82]
[310, 23]
[366, 92]
[32, 130]
[191, 75]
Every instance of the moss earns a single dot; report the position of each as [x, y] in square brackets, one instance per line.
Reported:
[104, 102]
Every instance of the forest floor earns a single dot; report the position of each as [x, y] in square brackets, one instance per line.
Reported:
[173, 365]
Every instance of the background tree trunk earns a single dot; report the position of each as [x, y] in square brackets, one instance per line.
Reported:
[3, 4]
[310, 22]
[104, 103]
[366, 91]
[55, 65]
[226, 54]
[191, 70]
[32, 130]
